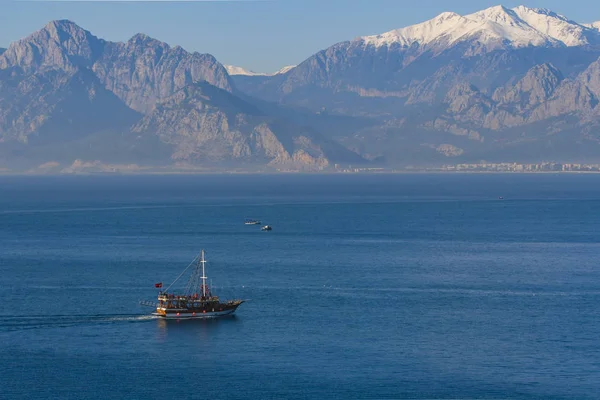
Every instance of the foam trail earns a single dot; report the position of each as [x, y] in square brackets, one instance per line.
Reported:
[25, 322]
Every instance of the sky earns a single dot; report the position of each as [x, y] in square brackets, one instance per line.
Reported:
[261, 36]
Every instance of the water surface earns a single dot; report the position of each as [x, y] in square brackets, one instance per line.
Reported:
[369, 286]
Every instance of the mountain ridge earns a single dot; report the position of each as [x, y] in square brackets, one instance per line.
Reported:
[457, 88]
[229, 125]
[66, 95]
[514, 85]
[520, 26]
[64, 45]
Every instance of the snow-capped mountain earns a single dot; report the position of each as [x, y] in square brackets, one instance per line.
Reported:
[594, 25]
[285, 69]
[490, 47]
[517, 27]
[499, 83]
[233, 70]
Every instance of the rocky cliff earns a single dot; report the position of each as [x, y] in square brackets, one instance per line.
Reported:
[66, 94]
[140, 72]
[210, 126]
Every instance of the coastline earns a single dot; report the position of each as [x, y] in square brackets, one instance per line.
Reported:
[278, 173]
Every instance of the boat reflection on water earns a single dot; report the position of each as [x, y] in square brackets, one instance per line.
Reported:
[185, 324]
[206, 329]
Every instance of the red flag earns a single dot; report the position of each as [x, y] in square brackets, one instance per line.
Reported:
[158, 285]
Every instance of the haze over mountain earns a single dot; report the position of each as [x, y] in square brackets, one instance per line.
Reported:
[515, 85]
[68, 97]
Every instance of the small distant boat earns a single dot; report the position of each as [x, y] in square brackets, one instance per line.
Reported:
[266, 228]
[196, 301]
[250, 221]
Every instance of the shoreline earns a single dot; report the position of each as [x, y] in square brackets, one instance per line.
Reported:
[188, 173]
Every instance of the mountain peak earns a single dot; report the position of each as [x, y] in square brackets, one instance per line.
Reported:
[140, 37]
[285, 69]
[423, 33]
[233, 70]
[446, 15]
[558, 27]
[62, 30]
[495, 13]
[63, 24]
[517, 27]
[61, 43]
[144, 40]
[522, 10]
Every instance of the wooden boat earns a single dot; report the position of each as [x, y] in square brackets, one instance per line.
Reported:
[197, 301]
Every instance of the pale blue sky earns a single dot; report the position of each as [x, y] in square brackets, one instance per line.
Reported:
[258, 35]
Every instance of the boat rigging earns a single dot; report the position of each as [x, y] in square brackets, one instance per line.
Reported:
[197, 301]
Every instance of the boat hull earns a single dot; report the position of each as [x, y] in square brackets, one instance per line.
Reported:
[183, 313]
[192, 315]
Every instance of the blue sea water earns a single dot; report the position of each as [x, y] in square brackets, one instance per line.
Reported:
[368, 287]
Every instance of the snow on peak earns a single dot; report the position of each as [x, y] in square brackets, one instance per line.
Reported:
[421, 33]
[594, 25]
[285, 69]
[233, 70]
[498, 14]
[520, 27]
[556, 26]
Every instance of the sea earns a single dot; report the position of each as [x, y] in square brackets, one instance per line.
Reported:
[369, 286]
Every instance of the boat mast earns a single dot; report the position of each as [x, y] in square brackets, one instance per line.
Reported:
[203, 261]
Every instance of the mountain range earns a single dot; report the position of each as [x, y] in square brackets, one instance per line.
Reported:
[511, 85]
